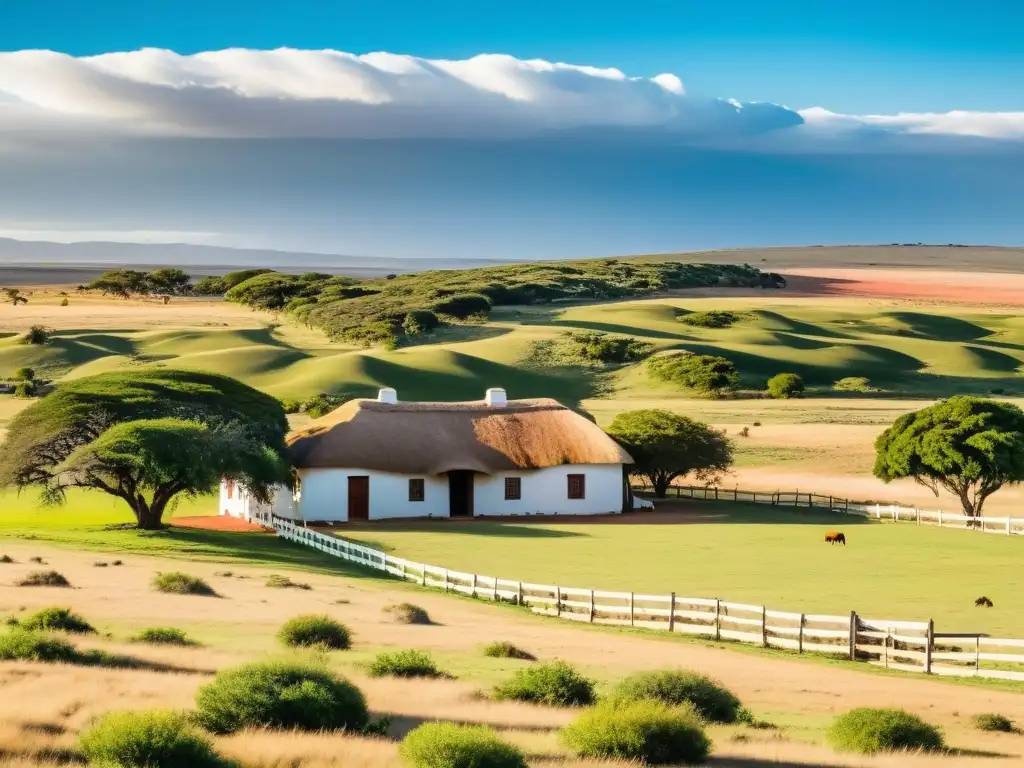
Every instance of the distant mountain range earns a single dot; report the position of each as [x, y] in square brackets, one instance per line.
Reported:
[89, 257]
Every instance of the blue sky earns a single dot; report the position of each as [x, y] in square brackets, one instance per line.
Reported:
[862, 56]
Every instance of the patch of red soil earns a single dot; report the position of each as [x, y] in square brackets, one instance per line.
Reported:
[217, 523]
[922, 285]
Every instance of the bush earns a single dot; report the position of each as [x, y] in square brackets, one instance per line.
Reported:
[463, 305]
[785, 385]
[22, 645]
[6, 559]
[868, 731]
[24, 389]
[163, 636]
[711, 700]
[991, 721]
[420, 321]
[505, 650]
[645, 731]
[322, 404]
[708, 374]
[37, 335]
[283, 582]
[596, 347]
[407, 613]
[556, 684]
[307, 631]
[403, 664]
[280, 695]
[148, 740]
[24, 374]
[44, 579]
[290, 405]
[853, 384]
[57, 620]
[711, 319]
[178, 583]
[447, 745]
[65, 302]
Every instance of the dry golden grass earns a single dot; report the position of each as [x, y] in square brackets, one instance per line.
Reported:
[42, 707]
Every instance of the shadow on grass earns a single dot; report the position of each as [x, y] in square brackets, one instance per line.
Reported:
[627, 330]
[402, 724]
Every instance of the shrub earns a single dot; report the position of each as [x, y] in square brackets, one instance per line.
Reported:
[556, 684]
[307, 631]
[463, 305]
[57, 620]
[24, 389]
[596, 347]
[44, 579]
[745, 432]
[991, 721]
[505, 650]
[6, 559]
[407, 613]
[283, 582]
[163, 636]
[65, 302]
[711, 319]
[853, 384]
[280, 695]
[24, 374]
[403, 664]
[322, 404]
[868, 730]
[178, 583]
[22, 645]
[783, 386]
[645, 731]
[447, 745]
[290, 405]
[708, 374]
[148, 740]
[37, 335]
[420, 321]
[711, 700]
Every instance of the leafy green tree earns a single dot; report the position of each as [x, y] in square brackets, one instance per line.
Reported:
[25, 374]
[147, 437]
[666, 446]
[709, 374]
[271, 291]
[173, 282]
[783, 386]
[121, 282]
[15, 296]
[969, 446]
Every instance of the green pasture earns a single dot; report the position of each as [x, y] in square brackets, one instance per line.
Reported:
[744, 554]
[911, 352]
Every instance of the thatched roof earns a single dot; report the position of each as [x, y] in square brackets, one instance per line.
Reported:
[432, 438]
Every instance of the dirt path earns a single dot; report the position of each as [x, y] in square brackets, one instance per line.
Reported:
[946, 287]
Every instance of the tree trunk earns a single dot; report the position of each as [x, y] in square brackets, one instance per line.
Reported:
[148, 516]
[660, 485]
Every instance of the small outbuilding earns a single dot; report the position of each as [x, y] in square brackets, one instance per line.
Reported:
[383, 459]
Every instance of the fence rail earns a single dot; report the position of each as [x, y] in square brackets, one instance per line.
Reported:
[1002, 525]
[907, 645]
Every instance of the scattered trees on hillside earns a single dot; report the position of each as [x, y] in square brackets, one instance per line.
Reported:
[708, 374]
[147, 437]
[969, 446]
[218, 285]
[15, 296]
[666, 446]
[597, 347]
[783, 386]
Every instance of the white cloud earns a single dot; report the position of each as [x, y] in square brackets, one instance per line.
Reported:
[984, 125]
[299, 93]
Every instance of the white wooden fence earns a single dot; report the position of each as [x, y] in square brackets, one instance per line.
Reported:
[1004, 525]
[906, 645]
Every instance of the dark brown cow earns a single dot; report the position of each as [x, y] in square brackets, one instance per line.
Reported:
[835, 537]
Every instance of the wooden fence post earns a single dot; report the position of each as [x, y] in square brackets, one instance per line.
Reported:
[885, 647]
[473, 593]
[718, 619]
[977, 653]
[716, 493]
[800, 635]
[445, 579]
[520, 593]
[558, 601]
[591, 606]
[631, 610]
[764, 626]
[1008, 527]
[929, 641]
[672, 612]
[494, 593]
[423, 575]
[853, 635]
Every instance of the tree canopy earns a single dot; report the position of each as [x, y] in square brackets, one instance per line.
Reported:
[709, 374]
[969, 446]
[146, 436]
[666, 446]
[783, 386]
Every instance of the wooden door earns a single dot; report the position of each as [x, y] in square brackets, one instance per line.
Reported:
[460, 493]
[358, 498]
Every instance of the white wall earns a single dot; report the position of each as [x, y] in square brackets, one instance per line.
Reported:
[324, 495]
[237, 505]
[546, 491]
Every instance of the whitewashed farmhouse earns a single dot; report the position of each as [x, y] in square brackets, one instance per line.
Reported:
[382, 459]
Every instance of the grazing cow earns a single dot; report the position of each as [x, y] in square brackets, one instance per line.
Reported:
[982, 602]
[835, 537]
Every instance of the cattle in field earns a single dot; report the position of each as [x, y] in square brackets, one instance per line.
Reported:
[835, 537]
[983, 602]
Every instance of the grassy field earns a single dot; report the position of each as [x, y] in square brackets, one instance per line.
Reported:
[744, 554]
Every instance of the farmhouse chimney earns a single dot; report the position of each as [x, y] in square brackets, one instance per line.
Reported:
[496, 398]
[387, 395]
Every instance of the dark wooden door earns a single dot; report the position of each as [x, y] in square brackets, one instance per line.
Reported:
[460, 493]
[359, 498]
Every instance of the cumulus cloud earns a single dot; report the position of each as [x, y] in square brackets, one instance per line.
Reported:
[301, 93]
